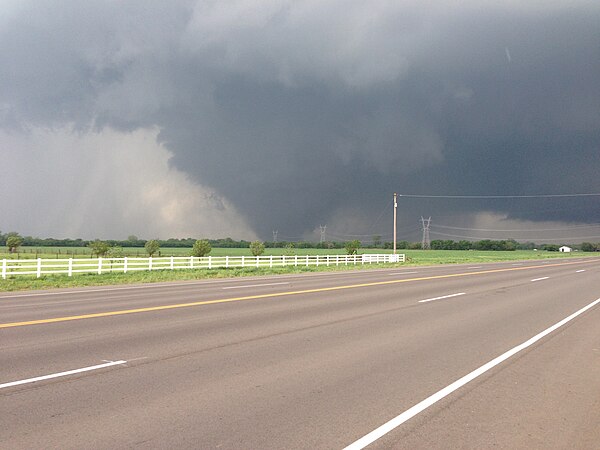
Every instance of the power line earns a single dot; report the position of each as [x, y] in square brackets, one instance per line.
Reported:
[376, 221]
[500, 196]
[496, 238]
[521, 230]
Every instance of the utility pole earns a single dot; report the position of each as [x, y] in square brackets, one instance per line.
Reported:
[395, 208]
[426, 242]
[275, 236]
[322, 228]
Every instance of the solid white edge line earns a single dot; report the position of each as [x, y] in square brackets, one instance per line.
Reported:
[421, 406]
[254, 285]
[443, 296]
[540, 279]
[401, 273]
[578, 271]
[61, 374]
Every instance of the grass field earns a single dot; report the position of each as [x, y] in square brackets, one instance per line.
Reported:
[414, 258]
[84, 252]
[431, 257]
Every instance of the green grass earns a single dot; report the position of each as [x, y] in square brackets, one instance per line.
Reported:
[431, 257]
[414, 258]
[30, 282]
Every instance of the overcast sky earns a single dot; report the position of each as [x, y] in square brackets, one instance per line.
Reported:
[237, 118]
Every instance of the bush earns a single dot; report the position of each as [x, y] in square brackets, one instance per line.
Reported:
[201, 248]
[115, 252]
[13, 242]
[99, 248]
[257, 248]
[152, 246]
[352, 247]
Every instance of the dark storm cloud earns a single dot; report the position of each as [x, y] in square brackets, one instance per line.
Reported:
[305, 113]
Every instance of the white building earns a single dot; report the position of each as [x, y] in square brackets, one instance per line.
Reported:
[565, 249]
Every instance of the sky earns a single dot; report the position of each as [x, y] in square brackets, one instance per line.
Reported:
[239, 118]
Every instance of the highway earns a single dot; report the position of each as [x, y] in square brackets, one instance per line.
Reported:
[315, 361]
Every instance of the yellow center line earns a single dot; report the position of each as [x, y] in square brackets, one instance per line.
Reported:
[261, 296]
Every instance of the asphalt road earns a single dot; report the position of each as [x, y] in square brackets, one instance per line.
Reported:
[308, 361]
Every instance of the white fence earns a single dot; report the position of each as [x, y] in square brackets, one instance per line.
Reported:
[39, 267]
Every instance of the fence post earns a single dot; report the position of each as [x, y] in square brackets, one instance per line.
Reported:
[271, 261]
[327, 260]
[210, 262]
[150, 263]
[317, 260]
[355, 259]
[227, 262]
[172, 262]
[4, 269]
[125, 264]
[257, 261]
[243, 260]
[70, 267]
[296, 260]
[283, 260]
[337, 260]
[306, 260]
[99, 265]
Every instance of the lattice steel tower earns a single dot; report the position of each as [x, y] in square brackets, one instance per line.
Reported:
[426, 241]
[322, 228]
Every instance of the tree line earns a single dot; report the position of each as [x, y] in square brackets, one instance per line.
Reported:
[13, 241]
[131, 241]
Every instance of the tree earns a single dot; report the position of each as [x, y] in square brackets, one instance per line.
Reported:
[115, 251]
[257, 248]
[376, 241]
[550, 247]
[352, 247]
[132, 238]
[289, 249]
[13, 241]
[152, 246]
[588, 247]
[201, 248]
[99, 248]
[464, 245]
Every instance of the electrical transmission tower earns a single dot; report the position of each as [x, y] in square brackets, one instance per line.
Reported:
[275, 236]
[322, 228]
[426, 242]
